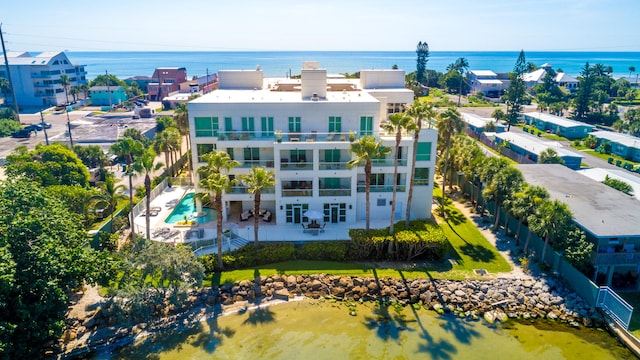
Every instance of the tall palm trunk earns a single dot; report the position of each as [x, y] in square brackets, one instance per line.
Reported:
[444, 176]
[256, 218]
[218, 202]
[147, 188]
[393, 197]
[416, 136]
[367, 190]
[526, 243]
[518, 232]
[133, 228]
[496, 208]
[544, 249]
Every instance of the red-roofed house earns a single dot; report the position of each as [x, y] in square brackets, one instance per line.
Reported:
[165, 81]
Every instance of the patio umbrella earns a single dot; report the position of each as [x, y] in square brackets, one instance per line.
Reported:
[314, 214]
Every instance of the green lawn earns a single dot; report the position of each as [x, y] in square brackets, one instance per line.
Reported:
[468, 250]
[607, 156]
[633, 298]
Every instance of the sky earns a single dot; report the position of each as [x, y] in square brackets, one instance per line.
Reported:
[327, 25]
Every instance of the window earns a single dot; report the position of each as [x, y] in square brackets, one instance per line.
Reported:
[332, 155]
[421, 176]
[248, 124]
[228, 124]
[423, 152]
[267, 126]
[294, 124]
[298, 156]
[366, 125]
[377, 179]
[203, 149]
[206, 126]
[251, 154]
[382, 202]
[335, 124]
[230, 152]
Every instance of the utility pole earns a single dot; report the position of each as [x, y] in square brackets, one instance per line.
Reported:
[108, 91]
[206, 86]
[69, 128]
[6, 64]
[44, 129]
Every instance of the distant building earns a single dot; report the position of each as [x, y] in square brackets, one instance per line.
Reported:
[537, 77]
[107, 95]
[610, 218]
[571, 129]
[599, 174]
[202, 84]
[165, 81]
[486, 82]
[36, 78]
[478, 123]
[531, 147]
[624, 145]
[302, 130]
[142, 81]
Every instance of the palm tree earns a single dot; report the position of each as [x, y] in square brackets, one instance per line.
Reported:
[365, 150]
[111, 194]
[398, 123]
[74, 91]
[550, 156]
[84, 88]
[488, 169]
[146, 165]
[214, 180]
[65, 82]
[461, 65]
[551, 221]
[418, 111]
[167, 141]
[128, 149]
[467, 159]
[507, 181]
[181, 116]
[632, 69]
[5, 87]
[449, 124]
[256, 181]
[525, 203]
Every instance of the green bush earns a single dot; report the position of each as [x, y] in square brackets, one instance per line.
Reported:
[323, 250]
[7, 126]
[247, 256]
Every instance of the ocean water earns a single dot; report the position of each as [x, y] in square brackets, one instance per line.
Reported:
[280, 63]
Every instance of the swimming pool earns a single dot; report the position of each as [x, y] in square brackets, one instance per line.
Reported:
[187, 207]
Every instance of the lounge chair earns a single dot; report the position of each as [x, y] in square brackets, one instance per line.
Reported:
[267, 216]
[244, 216]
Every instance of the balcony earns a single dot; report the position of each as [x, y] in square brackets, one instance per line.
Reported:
[296, 192]
[618, 258]
[342, 165]
[388, 162]
[381, 188]
[301, 165]
[314, 136]
[256, 163]
[336, 192]
[245, 190]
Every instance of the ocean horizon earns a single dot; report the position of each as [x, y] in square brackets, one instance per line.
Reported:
[125, 64]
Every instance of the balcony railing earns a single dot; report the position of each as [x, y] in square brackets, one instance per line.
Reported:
[388, 162]
[256, 163]
[296, 192]
[618, 258]
[234, 135]
[381, 188]
[335, 192]
[333, 165]
[245, 190]
[296, 165]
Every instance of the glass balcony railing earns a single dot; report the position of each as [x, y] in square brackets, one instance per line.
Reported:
[388, 162]
[256, 163]
[244, 190]
[296, 165]
[335, 192]
[296, 192]
[381, 188]
[333, 166]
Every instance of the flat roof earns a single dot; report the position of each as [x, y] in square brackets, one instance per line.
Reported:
[489, 81]
[599, 174]
[557, 120]
[623, 139]
[477, 120]
[598, 208]
[269, 96]
[535, 145]
[483, 73]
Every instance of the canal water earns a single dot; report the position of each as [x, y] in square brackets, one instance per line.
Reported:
[317, 329]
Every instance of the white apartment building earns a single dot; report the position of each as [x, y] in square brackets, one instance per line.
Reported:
[301, 129]
[36, 78]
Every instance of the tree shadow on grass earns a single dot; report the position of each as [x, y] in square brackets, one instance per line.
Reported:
[478, 253]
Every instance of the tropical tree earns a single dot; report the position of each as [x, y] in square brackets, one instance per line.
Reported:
[146, 165]
[632, 69]
[365, 150]
[551, 221]
[65, 82]
[467, 156]
[582, 101]
[422, 50]
[460, 66]
[398, 123]
[514, 96]
[111, 194]
[128, 149]
[74, 91]
[502, 187]
[418, 111]
[619, 185]
[524, 203]
[449, 124]
[181, 117]
[488, 169]
[256, 181]
[214, 180]
[550, 156]
[167, 141]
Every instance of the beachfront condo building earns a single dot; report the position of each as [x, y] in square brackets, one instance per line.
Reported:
[36, 78]
[302, 128]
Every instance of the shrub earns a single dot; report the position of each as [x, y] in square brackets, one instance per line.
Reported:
[323, 250]
[7, 126]
[247, 255]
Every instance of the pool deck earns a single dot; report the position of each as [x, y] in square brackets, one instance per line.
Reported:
[267, 231]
